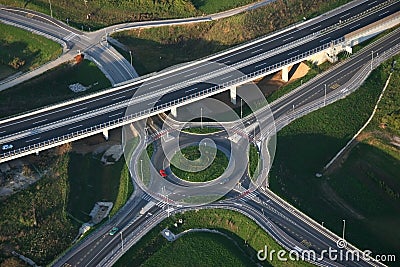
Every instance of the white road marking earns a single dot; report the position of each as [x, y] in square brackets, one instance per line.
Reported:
[258, 50]
[345, 15]
[120, 97]
[154, 102]
[293, 52]
[355, 26]
[372, 3]
[155, 86]
[75, 127]
[30, 140]
[2, 132]
[191, 74]
[114, 115]
[79, 109]
[326, 39]
[227, 77]
[187, 91]
[259, 65]
[384, 13]
[284, 40]
[37, 122]
[312, 29]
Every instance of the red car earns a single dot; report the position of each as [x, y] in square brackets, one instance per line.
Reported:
[163, 173]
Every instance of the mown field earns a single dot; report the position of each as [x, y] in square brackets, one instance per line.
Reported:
[365, 188]
[216, 166]
[246, 233]
[104, 12]
[52, 87]
[21, 50]
[158, 48]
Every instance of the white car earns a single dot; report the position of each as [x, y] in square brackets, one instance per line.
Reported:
[7, 147]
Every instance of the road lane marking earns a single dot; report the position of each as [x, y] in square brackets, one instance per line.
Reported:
[345, 15]
[259, 65]
[75, 127]
[382, 14]
[326, 39]
[2, 132]
[120, 97]
[312, 29]
[258, 50]
[155, 86]
[114, 115]
[191, 74]
[151, 103]
[372, 3]
[293, 52]
[287, 39]
[37, 122]
[79, 109]
[34, 139]
[227, 77]
[355, 26]
[187, 91]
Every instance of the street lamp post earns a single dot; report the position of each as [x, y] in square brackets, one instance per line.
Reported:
[344, 227]
[372, 58]
[141, 169]
[122, 240]
[130, 53]
[51, 10]
[201, 118]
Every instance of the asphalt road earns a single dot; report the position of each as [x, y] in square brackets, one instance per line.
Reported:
[48, 124]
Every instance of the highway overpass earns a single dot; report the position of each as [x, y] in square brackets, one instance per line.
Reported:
[325, 35]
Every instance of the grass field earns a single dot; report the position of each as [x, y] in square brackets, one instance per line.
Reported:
[22, 50]
[51, 87]
[246, 233]
[253, 161]
[104, 13]
[204, 130]
[200, 249]
[213, 171]
[364, 189]
[158, 48]
[91, 181]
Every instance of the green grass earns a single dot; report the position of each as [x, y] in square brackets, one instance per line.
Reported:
[150, 150]
[213, 171]
[51, 87]
[364, 190]
[91, 181]
[246, 233]
[158, 48]
[201, 249]
[204, 130]
[125, 190]
[34, 221]
[213, 6]
[253, 162]
[22, 50]
[104, 13]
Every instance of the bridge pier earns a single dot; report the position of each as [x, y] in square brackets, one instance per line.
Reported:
[285, 74]
[174, 111]
[105, 134]
[233, 93]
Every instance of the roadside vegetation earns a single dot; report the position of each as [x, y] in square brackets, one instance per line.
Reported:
[92, 15]
[213, 171]
[21, 50]
[52, 87]
[364, 188]
[34, 222]
[246, 233]
[158, 48]
[204, 130]
[253, 161]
